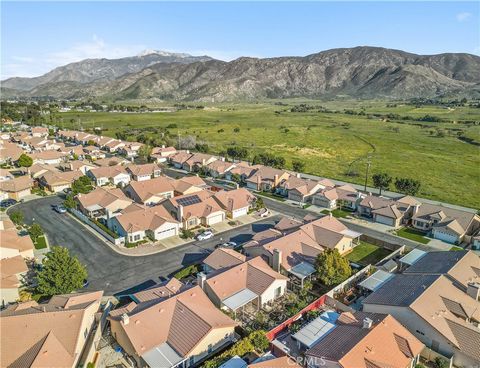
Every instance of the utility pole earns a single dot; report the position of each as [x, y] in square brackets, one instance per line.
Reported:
[366, 173]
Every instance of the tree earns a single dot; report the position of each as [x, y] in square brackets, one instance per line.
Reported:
[91, 142]
[70, 202]
[144, 152]
[236, 178]
[259, 340]
[332, 268]
[381, 181]
[61, 273]
[82, 185]
[35, 231]
[407, 186]
[298, 166]
[25, 160]
[17, 217]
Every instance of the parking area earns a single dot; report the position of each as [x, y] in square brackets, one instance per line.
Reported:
[114, 272]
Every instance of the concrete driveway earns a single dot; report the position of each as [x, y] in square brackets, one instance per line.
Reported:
[114, 272]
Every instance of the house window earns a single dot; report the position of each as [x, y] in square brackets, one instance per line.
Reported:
[435, 345]
[85, 333]
[191, 361]
[137, 237]
[210, 348]
[278, 292]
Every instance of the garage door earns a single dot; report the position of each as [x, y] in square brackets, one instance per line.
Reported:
[384, 220]
[240, 212]
[215, 219]
[165, 233]
[449, 238]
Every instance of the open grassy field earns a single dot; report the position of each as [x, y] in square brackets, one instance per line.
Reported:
[330, 144]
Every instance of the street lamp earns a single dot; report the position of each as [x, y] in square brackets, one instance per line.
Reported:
[366, 173]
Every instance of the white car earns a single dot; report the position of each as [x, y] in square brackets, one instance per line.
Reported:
[264, 212]
[205, 235]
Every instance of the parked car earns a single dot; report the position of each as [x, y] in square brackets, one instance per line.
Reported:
[67, 190]
[60, 208]
[85, 283]
[205, 235]
[7, 203]
[264, 212]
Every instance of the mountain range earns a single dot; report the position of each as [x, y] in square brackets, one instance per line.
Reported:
[360, 72]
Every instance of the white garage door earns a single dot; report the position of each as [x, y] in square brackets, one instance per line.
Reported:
[165, 233]
[215, 219]
[384, 220]
[240, 212]
[449, 238]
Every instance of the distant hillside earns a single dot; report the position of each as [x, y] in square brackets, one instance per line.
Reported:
[363, 72]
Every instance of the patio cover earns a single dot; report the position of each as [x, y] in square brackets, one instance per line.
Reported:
[302, 270]
[94, 207]
[376, 280]
[239, 299]
[412, 257]
[163, 356]
[351, 234]
[317, 329]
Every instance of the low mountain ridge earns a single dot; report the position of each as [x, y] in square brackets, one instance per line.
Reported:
[361, 72]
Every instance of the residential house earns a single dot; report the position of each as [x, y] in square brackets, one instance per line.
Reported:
[296, 252]
[437, 300]
[182, 330]
[179, 158]
[9, 152]
[116, 175]
[56, 182]
[286, 225]
[189, 185]
[102, 203]
[77, 165]
[197, 161]
[13, 244]
[150, 192]
[74, 151]
[93, 152]
[219, 168]
[251, 282]
[136, 222]
[195, 209]
[12, 273]
[111, 161]
[130, 149]
[161, 154]
[266, 178]
[53, 334]
[364, 340]
[371, 203]
[301, 190]
[222, 258]
[144, 172]
[242, 170]
[113, 146]
[48, 157]
[273, 362]
[341, 196]
[444, 223]
[5, 175]
[159, 292]
[39, 132]
[236, 203]
[37, 170]
[16, 188]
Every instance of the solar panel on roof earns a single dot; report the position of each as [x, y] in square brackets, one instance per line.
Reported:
[188, 201]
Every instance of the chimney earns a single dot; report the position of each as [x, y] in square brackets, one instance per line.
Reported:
[473, 290]
[330, 214]
[180, 213]
[277, 259]
[203, 162]
[415, 208]
[163, 146]
[125, 319]
[201, 278]
[275, 180]
[367, 323]
[298, 175]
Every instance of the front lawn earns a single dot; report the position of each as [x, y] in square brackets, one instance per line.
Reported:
[412, 234]
[273, 196]
[366, 253]
[41, 242]
[337, 213]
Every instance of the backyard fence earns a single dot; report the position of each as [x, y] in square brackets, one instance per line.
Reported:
[86, 220]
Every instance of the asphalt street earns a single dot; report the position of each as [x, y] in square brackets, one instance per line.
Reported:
[114, 272]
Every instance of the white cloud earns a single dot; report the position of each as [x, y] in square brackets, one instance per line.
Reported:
[464, 16]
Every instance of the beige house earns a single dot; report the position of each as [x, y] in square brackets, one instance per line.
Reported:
[218, 168]
[236, 202]
[144, 172]
[266, 178]
[39, 132]
[252, 282]
[56, 182]
[189, 185]
[366, 340]
[437, 300]
[197, 161]
[116, 175]
[12, 244]
[12, 272]
[102, 202]
[179, 158]
[17, 188]
[342, 196]
[151, 191]
[301, 190]
[52, 334]
[161, 154]
[48, 157]
[222, 258]
[178, 331]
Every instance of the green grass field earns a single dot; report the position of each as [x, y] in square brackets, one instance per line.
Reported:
[412, 234]
[328, 143]
[366, 253]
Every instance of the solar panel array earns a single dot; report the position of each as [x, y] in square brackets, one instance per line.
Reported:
[188, 201]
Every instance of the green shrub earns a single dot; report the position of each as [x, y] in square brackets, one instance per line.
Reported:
[187, 271]
[106, 229]
[186, 234]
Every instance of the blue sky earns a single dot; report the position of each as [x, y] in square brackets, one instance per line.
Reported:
[38, 36]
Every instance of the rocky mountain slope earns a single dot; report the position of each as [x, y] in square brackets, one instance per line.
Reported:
[364, 72]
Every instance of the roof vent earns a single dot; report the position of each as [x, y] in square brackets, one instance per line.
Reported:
[125, 319]
[367, 323]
